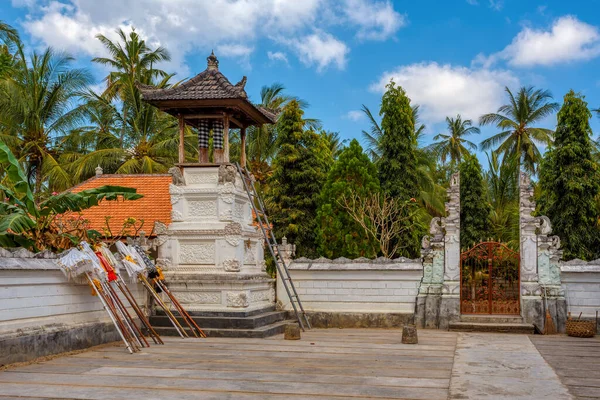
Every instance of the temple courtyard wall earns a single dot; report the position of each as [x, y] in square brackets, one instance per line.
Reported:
[359, 293]
[42, 313]
[581, 284]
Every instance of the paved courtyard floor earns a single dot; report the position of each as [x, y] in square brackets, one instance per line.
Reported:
[325, 364]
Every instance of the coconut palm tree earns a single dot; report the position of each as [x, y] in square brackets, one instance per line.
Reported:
[518, 138]
[453, 145]
[9, 37]
[149, 145]
[38, 103]
[131, 61]
[334, 142]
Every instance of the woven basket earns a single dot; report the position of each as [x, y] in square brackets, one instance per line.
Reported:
[584, 329]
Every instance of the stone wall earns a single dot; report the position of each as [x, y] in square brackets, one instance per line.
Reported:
[581, 285]
[355, 293]
[41, 313]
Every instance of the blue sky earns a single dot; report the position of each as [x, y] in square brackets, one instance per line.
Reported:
[451, 56]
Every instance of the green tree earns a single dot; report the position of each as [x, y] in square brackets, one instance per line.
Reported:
[518, 137]
[398, 168]
[299, 171]
[41, 225]
[132, 61]
[138, 138]
[398, 163]
[570, 182]
[37, 104]
[503, 194]
[474, 208]
[338, 234]
[454, 146]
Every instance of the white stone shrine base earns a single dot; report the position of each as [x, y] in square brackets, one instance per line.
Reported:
[222, 292]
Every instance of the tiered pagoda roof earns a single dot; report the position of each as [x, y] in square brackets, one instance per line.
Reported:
[208, 93]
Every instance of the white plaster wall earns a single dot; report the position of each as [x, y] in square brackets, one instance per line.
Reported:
[365, 287]
[35, 296]
[582, 288]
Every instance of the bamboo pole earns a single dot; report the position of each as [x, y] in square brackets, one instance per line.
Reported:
[123, 320]
[108, 311]
[136, 307]
[168, 312]
[136, 330]
[182, 310]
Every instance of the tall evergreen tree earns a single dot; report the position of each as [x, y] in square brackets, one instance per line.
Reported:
[299, 171]
[398, 162]
[474, 208]
[570, 182]
[338, 234]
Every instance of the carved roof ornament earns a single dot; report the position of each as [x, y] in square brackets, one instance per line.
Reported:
[544, 225]
[213, 62]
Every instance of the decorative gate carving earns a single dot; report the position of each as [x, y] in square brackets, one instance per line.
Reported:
[490, 280]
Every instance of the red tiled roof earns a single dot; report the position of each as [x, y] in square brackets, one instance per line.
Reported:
[154, 206]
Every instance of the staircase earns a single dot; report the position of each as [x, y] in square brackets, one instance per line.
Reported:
[492, 323]
[251, 324]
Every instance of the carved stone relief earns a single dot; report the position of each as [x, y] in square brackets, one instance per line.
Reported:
[231, 265]
[237, 299]
[199, 298]
[197, 253]
[203, 178]
[206, 208]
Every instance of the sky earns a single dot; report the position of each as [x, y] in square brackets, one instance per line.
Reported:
[451, 56]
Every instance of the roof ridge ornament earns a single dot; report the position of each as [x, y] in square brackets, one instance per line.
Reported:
[213, 62]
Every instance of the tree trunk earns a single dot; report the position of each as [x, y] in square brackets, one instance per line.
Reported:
[38, 177]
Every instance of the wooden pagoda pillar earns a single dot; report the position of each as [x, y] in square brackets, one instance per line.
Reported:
[243, 144]
[181, 139]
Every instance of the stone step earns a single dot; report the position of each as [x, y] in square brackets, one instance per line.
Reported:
[276, 328]
[486, 318]
[491, 327]
[225, 322]
[235, 314]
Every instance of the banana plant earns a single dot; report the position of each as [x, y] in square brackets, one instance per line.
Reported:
[38, 226]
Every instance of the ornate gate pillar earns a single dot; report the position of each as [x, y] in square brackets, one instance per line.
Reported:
[438, 302]
[540, 271]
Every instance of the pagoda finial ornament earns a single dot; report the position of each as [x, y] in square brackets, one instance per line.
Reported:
[213, 63]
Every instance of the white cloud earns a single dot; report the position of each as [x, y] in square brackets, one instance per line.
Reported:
[496, 4]
[239, 52]
[355, 115]
[473, 2]
[320, 49]
[183, 26]
[446, 90]
[277, 56]
[567, 40]
[376, 20]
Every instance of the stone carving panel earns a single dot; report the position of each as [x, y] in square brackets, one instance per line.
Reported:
[231, 265]
[227, 193]
[258, 296]
[199, 298]
[237, 299]
[203, 253]
[203, 178]
[202, 208]
[233, 233]
[176, 216]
